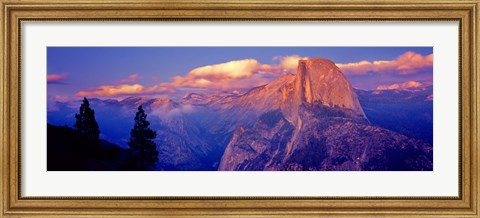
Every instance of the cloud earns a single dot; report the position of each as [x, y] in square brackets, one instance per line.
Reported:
[109, 91]
[228, 71]
[160, 89]
[131, 78]
[288, 63]
[238, 74]
[61, 98]
[126, 89]
[232, 75]
[410, 85]
[407, 63]
[122, 87]
[56, 78]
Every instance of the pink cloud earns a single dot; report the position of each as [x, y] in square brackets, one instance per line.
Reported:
[56, 78]
[410, 85]
[125, 89]
[234, 74]
[161, 88]
[122, 87]
[238, 69]
[237, 74]
[61, 98]
[407, 63]
[131, 78]
[289, 63]
[113, 90]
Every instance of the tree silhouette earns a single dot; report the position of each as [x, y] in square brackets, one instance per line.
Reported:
[86, 123]
[143, 149]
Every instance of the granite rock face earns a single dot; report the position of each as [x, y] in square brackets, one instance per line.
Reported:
[334, 143]
[319, 81]
[319, 124]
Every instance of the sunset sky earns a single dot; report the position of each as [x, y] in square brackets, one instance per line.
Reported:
[117, 72]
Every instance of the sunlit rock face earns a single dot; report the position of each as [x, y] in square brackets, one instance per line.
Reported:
[316, 122]
[319, 82]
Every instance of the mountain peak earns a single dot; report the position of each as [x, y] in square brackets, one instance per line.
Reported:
[320, 81]
[320, 61]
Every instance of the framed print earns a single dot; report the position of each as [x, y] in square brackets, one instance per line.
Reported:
[245, 109]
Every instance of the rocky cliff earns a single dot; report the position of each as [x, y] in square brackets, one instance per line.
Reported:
[316, 122]
[319, 81]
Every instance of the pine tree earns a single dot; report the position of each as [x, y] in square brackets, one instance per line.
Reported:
[143, 149]
[86, 123]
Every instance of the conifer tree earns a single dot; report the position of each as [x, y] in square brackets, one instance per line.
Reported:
[86, 123]
[143, 149]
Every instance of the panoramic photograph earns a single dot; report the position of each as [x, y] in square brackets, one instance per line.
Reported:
[239, 108]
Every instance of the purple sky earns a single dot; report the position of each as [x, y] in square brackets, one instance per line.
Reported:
[117, 72]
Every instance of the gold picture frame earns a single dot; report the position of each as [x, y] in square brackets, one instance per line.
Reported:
[15, 12]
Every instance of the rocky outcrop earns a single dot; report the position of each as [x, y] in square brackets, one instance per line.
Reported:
[315, 122]
[319, 81]
[336, 144]
[257, 147]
